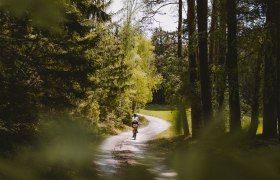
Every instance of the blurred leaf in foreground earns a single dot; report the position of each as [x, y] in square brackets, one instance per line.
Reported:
[42, 13]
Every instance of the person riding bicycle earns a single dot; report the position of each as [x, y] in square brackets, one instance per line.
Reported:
[134, 125]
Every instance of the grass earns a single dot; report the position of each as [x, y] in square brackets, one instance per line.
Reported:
[158, 111]
[165, 113]
[220, 157]
[245, 122]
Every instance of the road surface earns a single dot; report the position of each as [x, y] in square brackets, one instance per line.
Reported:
[122, 149]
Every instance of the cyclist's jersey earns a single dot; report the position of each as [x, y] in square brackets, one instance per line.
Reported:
[135, 118]
[134, 124]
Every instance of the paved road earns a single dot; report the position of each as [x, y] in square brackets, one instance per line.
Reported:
[122, 149]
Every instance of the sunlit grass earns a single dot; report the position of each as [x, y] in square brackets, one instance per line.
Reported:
[246, 120]
[165, 113]
[228, 156]
[260, 127]
[215, 157]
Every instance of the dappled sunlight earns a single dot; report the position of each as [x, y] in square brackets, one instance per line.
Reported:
[216, 154]
[223, 156]
[207, 92]
[221, 159]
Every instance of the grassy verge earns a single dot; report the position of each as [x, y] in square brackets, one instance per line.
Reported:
[246, 120]
[226, 156]
[165, 113]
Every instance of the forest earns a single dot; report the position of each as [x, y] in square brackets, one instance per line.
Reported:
[70, 75]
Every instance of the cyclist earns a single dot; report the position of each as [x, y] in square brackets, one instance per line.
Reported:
[134, 125]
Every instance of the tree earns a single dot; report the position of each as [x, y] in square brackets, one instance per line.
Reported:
[182, 104]
[194, 95]
[270, 70]
[167, 63]
[48, 66]
[251, 50]
[180, 23]
[207, 111]
[256, 98]
[145, 79]
[220, 73]
[232, 69]
[213, 40]
[278, 71]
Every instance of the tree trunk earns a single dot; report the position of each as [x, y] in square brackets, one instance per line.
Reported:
[180, 22]
[277, 6]
[270, 72]
[232, 69]
[184, 119]
[221, 80]
[182, 106]
[194, 98]
[207, 111]
[278, 73]
[220, 56]
[255, 99]
[213, 32]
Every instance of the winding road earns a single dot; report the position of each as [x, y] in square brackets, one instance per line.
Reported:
[121, 149]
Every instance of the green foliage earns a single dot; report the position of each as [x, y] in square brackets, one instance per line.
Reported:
[17, 109]
[144, 78]
[63, 149]
[227, 158]
[39, 66]
[16, 78]
[251, 48]
[124, 76]
[37, 11]
[107, 80]
[168, 65]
